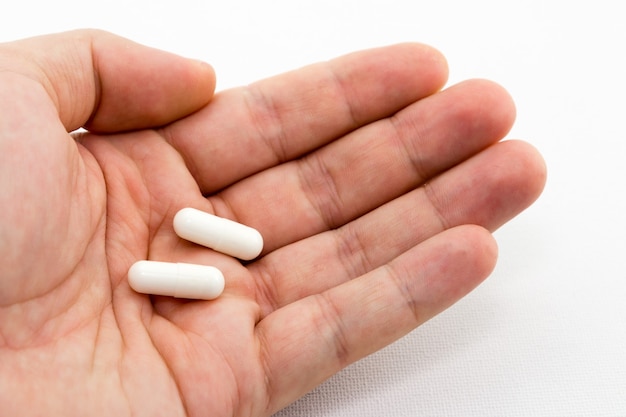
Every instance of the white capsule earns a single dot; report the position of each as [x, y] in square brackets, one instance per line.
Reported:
[179, 280]
[218, 233]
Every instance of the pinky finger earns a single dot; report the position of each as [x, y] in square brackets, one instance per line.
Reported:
[308, 341]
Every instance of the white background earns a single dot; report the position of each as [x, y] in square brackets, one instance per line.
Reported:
[546, 334]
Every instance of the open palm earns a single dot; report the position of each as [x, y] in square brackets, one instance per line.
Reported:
[374, 193]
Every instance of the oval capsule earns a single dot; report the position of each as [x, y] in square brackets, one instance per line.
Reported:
[179, 280]
[218, 233]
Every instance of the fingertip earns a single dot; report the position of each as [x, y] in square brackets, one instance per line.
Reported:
[453, 262]
[486, 249]
[402, 73]
[206, 72]
[473, 249]
[499, 101]
[485, 105]
[531, 172]
[439, 62]
[431, 63]
[503, 99]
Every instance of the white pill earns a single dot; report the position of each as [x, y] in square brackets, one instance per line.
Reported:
[218, 233]
[179, 280]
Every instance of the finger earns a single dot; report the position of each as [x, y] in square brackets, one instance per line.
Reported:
[108, 83]
[308, 341]
[247, 130]
[370, 166]
[487, 190]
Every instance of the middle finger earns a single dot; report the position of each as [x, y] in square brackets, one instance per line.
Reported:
[369, 166]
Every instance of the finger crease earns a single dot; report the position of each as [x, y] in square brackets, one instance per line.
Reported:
[320, 188]
[338, 337]
[352, 252]
[435, 204]
[405, 291]
[266, 296]
[264, 359]
[267, 121]
[97, 82]
[408, 146]
[341, 87]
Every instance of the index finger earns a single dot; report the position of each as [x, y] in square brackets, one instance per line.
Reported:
[249, 129]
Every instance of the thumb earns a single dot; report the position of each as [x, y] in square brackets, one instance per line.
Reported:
[107, 83]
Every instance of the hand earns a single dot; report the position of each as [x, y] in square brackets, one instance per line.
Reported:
[374, 193]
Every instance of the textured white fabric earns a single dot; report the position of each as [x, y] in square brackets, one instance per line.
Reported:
[546, 334]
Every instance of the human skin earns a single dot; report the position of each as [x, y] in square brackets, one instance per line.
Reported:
[375, 192]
